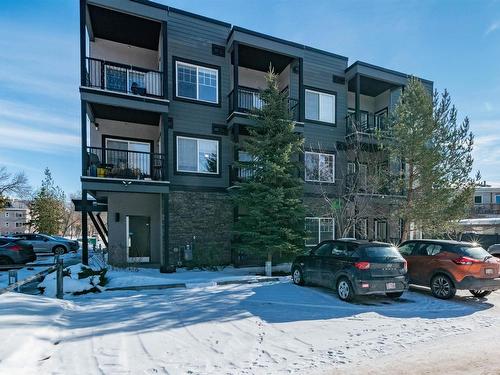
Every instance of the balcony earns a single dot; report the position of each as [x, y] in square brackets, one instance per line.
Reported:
[369, 123]
[487, 209]
[105, 162]
[249, 100]
[240, 174]
[123, 78]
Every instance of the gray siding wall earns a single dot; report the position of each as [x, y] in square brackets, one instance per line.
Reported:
[190, 38]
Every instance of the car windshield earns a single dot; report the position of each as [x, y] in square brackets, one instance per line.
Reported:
[474, 252]
[381, 251]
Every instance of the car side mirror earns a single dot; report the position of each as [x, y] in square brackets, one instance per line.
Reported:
[311, 252]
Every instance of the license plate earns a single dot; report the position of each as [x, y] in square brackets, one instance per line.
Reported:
[489, 271]
[390, 285]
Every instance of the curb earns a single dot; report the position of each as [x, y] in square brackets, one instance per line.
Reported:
[184, 285]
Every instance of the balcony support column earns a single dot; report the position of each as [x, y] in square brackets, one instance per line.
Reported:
[236, 63]
[83, 50]
[85, 240]
[165, 266]
[357, 94]
[164, 59]
[302, 93]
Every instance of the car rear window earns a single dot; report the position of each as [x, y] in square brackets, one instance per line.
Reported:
[474, 252]
[381, 251]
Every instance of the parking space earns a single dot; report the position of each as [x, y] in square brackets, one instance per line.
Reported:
[252, 329]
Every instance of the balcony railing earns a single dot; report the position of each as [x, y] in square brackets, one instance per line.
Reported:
[240, 174]
[249, 100]
[368, 124]
[487, 209]
[129, 79]
[114, 163]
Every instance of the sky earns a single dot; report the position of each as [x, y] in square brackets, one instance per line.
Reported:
[455, 43]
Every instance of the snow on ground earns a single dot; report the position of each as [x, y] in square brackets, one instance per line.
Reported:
[23, 273]
[268, 328]
[120, 277]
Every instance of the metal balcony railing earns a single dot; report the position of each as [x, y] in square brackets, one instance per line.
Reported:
[118, 77]
[249, 100]
[114, 163]
[487, 209]
[368, 124]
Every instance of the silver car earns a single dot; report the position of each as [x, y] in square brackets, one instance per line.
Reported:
[43, 243]
[495, 250]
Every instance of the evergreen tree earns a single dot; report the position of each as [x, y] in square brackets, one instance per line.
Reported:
[48, 207]
[270, 200]
[436, 151]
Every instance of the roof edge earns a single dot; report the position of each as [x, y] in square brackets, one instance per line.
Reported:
[386, 70]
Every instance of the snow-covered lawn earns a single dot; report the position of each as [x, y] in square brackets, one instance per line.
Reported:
[245, 329]
[119, 277]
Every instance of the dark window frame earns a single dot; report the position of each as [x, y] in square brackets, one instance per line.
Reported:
[329, 92]
[198, 136]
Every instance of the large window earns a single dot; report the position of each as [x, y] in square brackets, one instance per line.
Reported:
[319, 229]
[319, 167]
[320, 106]
[128, 155]
[197, 82]
[197, 155]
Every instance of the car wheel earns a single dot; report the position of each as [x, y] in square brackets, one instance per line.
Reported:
[442, 287]
[59, 250]
[6, 261]
[394, 295]
[480, 293]
[345, 290]
[297, 276]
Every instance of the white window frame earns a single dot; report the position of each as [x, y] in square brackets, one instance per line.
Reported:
[319, 156]
[320, 93]
[197, 155]
[197, 67]
[319, 228]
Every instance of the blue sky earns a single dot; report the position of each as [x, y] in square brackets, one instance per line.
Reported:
[454, 43]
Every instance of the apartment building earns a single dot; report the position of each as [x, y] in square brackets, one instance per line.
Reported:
[14, 218]
[165, 101]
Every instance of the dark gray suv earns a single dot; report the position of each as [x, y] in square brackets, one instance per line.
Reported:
[353, 267]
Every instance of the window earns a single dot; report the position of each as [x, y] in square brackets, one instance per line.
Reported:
[319, 229]
[197, 82]
[362, 229]
[197, 155]
[7, 224]
[340, 250]
[130, 155]
[324, 250]
[7, 214]
[407, 248]
[497, 199]
[320, 106]
[319, 167]
[430, 249]
[19, 225]
[478, 199]
[381, 119]
[19, 214]
[380, 230]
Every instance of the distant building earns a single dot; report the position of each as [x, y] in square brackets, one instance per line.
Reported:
[15, 218]
[483, 224]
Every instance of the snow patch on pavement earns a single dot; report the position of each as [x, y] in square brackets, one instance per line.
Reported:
[273, 328]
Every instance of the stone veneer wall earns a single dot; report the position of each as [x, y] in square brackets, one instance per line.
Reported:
[206, 215]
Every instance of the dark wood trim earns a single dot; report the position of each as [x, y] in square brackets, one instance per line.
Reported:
[236, 65]
[198, 136]
[83, 39]
[97, 91]
[329, 92]
[176, 59]
[194, 188]
[302, 92]
[165, 58]
[165, 120]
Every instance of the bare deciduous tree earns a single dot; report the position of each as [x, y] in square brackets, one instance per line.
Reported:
[12, 184]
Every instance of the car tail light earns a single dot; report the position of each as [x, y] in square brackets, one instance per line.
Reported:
[365, 285]
[15, 248]
[362, 265]
[465, 261]
[405, 266]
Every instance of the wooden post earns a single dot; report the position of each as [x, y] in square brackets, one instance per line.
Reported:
[59, 278]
